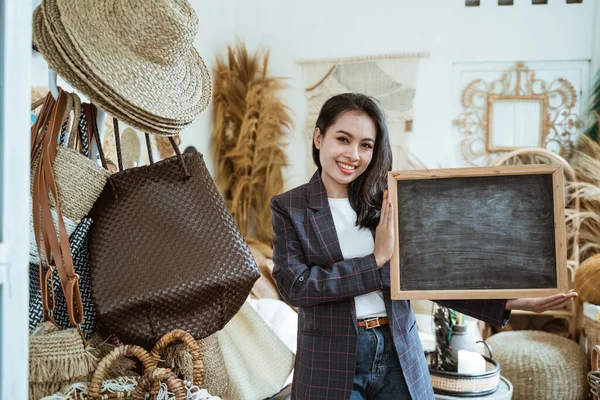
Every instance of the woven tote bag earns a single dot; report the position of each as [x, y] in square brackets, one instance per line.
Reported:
[166, 254]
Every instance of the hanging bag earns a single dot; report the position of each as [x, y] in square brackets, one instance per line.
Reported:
[79, 182]
[166, 254]
[253, 353]
[56, 356]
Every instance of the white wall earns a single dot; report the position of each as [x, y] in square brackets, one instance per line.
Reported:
[447, 29]
[215, 32]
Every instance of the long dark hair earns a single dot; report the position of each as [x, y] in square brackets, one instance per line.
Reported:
[365, 192]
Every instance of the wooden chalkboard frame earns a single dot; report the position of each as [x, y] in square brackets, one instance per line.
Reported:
[555, 170]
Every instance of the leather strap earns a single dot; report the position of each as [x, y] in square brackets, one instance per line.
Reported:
[38, 131]
[370, 323]
[56, 247]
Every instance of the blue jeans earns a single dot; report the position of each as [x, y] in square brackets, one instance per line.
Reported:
[378, 373]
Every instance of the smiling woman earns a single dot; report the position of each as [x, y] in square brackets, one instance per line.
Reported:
[333, 239]
[351, 148]
[345, 155]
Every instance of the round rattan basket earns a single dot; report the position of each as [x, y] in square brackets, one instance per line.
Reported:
[467, 385]
[541, 365]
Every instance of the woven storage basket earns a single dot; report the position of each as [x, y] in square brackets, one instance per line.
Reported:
[541, 365]
[594, 374]
[178, 358]
[592, 331]
[467, 385]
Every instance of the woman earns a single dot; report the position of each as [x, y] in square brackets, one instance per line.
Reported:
[333, 239]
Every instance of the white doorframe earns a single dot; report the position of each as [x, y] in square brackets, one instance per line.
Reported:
[15, 87]
[595, 64]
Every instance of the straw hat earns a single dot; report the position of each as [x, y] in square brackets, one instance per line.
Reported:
[135, 60]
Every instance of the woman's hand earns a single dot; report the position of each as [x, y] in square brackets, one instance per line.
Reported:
[541, 304]
[384, 234]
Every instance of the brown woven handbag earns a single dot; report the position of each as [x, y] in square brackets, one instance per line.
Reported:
[166, 254]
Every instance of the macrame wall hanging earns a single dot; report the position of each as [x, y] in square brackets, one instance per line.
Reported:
[391, 79]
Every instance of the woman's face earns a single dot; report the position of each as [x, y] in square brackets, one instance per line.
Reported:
[345, 151]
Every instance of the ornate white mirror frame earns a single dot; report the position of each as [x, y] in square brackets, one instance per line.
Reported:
[536, 113]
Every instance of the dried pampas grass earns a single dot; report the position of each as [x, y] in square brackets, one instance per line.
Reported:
[250, 122]
[586, 162]
[164, 147]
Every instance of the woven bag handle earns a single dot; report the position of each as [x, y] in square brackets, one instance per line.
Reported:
[148, 364]
[150, 378]
[179, 335]
[38, 103]
[149, 147]
[75, 133]
[91, 116]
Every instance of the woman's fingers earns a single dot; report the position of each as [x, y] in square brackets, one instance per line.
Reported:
[559, 302]
[549, 305]
[384, 209]
[390, 214]
[554, 302]
[558, 306]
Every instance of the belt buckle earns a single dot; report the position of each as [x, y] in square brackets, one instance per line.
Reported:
[376, 319]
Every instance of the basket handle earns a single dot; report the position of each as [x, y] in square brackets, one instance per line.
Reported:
[179, 335]
[489, 349]
[149, 379]
[148, 364]
[596, 358]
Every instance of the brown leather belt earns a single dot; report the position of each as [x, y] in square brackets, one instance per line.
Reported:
[371, 323]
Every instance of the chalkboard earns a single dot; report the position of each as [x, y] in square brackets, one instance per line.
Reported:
[491, 232]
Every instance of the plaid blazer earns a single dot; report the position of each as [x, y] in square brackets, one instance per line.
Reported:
[312, 275]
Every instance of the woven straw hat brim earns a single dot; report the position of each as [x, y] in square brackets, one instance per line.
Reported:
[174, 91]
[64, 67]
[51, 32]
[55, 31]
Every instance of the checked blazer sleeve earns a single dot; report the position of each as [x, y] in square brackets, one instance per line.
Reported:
[305, 285]
[491, 311]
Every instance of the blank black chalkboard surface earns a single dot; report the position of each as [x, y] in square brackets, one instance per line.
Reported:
[479, 233]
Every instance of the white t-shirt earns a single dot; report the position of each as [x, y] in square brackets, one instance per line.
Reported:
[356, 242]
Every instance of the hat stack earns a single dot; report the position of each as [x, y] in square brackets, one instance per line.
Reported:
[133, 59]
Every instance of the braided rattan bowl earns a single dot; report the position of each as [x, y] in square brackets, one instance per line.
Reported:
[467, 385]
[541, 365]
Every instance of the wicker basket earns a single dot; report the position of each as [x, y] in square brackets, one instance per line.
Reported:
[467, 385]
[594, 374]
[541, 365]
[592, 331]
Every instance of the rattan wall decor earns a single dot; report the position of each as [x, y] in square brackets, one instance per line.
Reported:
[555, 100]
